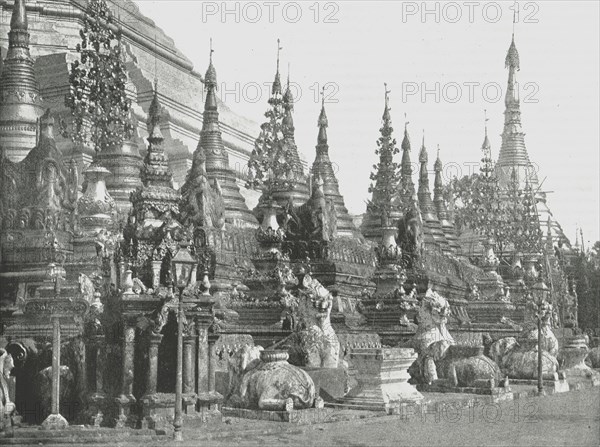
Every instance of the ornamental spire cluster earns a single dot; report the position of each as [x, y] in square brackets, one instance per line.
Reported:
[383, 189]
[275, 164]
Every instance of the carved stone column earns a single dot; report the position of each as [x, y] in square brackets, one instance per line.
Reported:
[126, 399]
[189, 370]
[154, 341]
[151, 402]
[203, 322]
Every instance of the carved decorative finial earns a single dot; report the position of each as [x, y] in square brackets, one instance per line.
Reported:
[211, 51]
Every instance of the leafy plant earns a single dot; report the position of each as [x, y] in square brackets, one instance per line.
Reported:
[97, 98]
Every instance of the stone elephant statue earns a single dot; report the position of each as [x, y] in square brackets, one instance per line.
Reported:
[518, 359]
[260, 379]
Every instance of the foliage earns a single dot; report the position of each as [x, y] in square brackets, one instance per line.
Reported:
[506, 216]
[585, 269]
[97, 98]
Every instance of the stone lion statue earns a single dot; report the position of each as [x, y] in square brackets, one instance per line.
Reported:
[432, 339]
[264, 380]
[315, 343]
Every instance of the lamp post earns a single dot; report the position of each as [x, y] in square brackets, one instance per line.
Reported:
[182, 266]
[540, 294]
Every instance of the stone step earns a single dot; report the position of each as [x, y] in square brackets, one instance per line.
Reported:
[79, 436]
[82, 432]
[76, 440]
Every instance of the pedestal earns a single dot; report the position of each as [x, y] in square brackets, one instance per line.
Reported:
[382, 376]
[571, 358]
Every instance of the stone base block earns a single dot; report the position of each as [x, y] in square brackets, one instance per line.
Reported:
[445, 386]
[306, 416]
[158, 410]
[382, 379]
[55, 422]
[555, 386]
[209, 407]
[332, 383]
[125, 417]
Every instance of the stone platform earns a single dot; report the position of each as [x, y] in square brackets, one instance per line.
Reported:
[442, 386]
[553, 386]
[306, 416]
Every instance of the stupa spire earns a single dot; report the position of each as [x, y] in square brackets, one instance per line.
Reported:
[407, 187]
[424, 194]
[211, 160]
[442, 208]
[487, 164]
[323, 123]
[276, 89]
[322, 173]
[287, 122]
[155, 170]
[513, 153]
[20, 104]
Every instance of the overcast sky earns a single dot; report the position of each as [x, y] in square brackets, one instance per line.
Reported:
[442, 61]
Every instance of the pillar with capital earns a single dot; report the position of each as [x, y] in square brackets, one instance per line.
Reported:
[96, 359]
[126, 399]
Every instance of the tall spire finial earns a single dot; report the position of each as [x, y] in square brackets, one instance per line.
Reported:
[438, 151]
[387, 95]
[18, 20]
[485, 120]
[406, 122]
[276, 89]
[515, 9]
[279, 48]
[211, 51]
[323, 97]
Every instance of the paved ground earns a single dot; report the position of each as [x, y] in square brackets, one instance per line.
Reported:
[571, 419]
